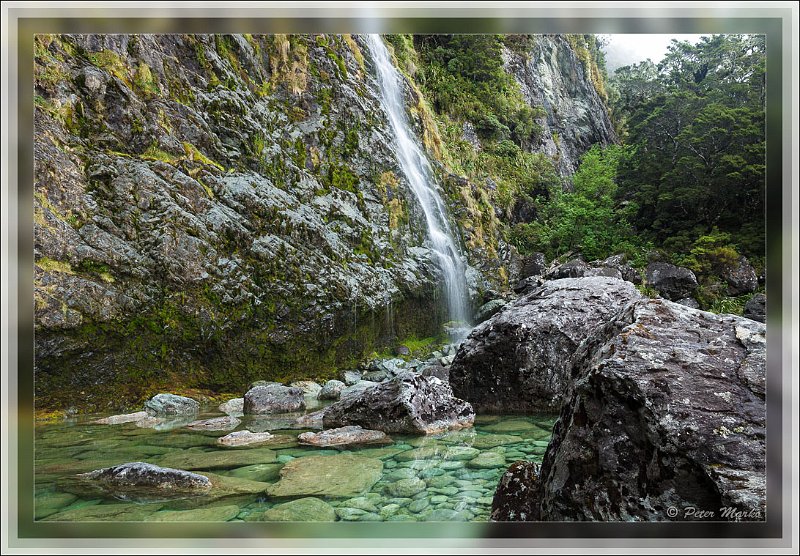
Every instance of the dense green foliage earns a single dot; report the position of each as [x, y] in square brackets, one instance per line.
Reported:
[695, 124]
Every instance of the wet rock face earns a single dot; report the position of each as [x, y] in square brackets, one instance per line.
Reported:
[518, 361]
[184, 181]
[408, 404]
[148, 477]
[668, 411]
[514, 498]
[672, 282]
[273, 399]
[575, 117]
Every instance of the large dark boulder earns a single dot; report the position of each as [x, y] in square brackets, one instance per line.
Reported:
[741, 277]
[407, 404]
[668, 413]
[518, 361]
[670, 281]
[756, 308]
[146, 478]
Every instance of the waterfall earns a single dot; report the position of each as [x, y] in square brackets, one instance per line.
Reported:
[417, 171]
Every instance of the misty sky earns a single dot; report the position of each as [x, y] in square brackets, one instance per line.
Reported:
[623, 50]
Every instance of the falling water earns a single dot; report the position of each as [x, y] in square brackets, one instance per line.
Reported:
[417, 170]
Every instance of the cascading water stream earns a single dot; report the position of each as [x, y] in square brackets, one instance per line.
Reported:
[417, 171]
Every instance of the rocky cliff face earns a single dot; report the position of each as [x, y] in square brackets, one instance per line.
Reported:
[214, 209]
[553, 76]
[203, 202]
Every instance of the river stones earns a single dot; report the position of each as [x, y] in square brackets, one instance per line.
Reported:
[405, 488]
[488, 460]
[302, 509]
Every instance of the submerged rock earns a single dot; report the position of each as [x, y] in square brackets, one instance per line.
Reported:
[213, 513]
[145, 477]
[518, 361]
[273, 398]
[217, 424]
[302, 509]
[343, 436]
[170, 404]
[334, 476]
[121, 419]
[409, 404]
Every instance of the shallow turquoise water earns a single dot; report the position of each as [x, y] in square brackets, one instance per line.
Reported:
[446, 477]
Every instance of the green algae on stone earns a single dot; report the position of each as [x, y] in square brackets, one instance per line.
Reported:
[335, 476]
[262, 472]
[218, 459]
[218, 513]
[302, 509]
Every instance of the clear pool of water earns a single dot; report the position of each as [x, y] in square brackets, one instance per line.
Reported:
[446, 477]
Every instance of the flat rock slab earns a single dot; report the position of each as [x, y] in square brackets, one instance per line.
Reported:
[273, 398]
[107, 512]
[451, 453]
[170, 404]
[219, 459]
[245, 438]
[343, 436]
[513, 425]
[262, 472]
[488, 460]
[226, 423]
[302, 509]
[121, 419]
[335, 476]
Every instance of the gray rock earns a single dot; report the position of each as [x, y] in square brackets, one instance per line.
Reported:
[533, 265]
[437, 370]
[408, 404]
[148, 478]
[309, 387]
[689, 302]
[121, 419]
[273, 399]
[576, 268]
[514, 499]
[741, 278]
[681, 392]
[245, 438]
[331, 390]
[218, 424]
[351, 377]
[233, 407]
[357, 389]
[402, 351]
[343, 436]
[518, 360]
[405, 488]
[756, 308]
[670, 281]
[170, 404]
[489, 309]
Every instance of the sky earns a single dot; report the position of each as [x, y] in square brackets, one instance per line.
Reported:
[623, 50]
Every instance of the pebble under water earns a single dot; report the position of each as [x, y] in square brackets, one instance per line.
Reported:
[446, 477]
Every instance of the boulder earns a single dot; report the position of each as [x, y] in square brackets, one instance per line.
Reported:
[617, 263]
[514, 498]
[169, 404]
[670, 281]
[331, 390]
[233, 407]
[351, 377]
[343, 436]
[437, 370]
[668, 411]
[357, 388]
[604, 271]
[532, 265]
[741, 277]
[408, 404]
[309, 387]
[402, 351]
[334, 476]
[489, 309]
[756, 308]
[146, 478]
[576, 268]
[273, 398]
[689, 302]
[518, 360]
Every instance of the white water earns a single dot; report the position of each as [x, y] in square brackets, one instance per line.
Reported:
[417, 170]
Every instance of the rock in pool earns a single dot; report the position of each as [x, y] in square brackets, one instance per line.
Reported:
[169, 404]
[343, 436]
[273, 398]
[146, 477]
[217, 424]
